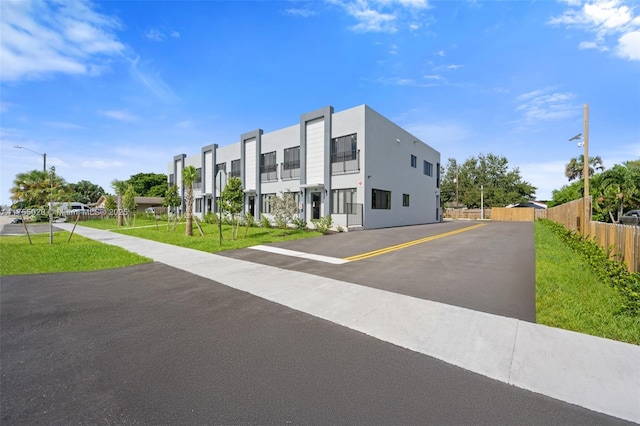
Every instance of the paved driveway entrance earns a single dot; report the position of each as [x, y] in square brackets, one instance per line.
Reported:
[488, 268]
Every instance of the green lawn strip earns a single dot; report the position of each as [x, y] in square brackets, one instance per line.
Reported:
[80, 254]
[211, 241]
[112, 223]
[570, 296]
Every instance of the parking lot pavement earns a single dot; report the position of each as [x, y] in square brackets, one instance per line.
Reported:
[151, 344]
[490, 268]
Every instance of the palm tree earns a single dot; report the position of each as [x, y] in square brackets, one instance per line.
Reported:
[189, 175]
[620, 187]
[120, 187]
[575, 168]
[33, 188]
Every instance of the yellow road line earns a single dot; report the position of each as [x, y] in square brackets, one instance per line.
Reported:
[410, 243]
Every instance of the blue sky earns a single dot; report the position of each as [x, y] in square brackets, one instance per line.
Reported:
[110, 89]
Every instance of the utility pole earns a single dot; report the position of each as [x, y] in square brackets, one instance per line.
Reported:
[587, 199]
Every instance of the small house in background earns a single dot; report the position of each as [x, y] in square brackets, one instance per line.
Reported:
[142, 204]
[534, 204]
[145, 204]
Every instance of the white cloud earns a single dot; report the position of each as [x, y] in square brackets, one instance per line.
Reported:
[185, 124]
[43, 38]
[540, 105]
[370, 20]
[151, 80]
[607, 20]
[119, 115]
[384, 15]
[101, 164]
[439, 53]
[629, 46]
[301, 13]
[155, 34]
[433, 77]
[592, 45]
[545, 176]
[454, 66]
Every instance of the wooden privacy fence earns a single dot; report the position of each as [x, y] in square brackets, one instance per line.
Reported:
[625, 239]
[472, 214]
[515, 214]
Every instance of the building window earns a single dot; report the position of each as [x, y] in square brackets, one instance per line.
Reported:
[438, 175]
[197, 184]
[220, 166]
[266, 202]
[172, 179]
[268, 167]
[414, 161]
[235, 168]
[291, 164]
[380, 199]
[198, 205]
[344, 148]
[405, 200]
[343, 201]
[427, 168]
[291, 158]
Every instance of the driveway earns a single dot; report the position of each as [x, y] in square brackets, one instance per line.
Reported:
[488, 268]
[151, 344]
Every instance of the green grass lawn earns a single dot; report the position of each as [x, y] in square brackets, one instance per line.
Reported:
[570, 296]
[80, 254]
[146, 228]
[211, 240]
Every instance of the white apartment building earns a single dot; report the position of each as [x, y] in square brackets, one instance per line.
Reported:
[355, 165]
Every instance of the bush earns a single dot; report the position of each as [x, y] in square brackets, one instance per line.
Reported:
[323, 224]
[249, 220]
[264, 221]
[300, 223]
[211, 218]
[604, 264]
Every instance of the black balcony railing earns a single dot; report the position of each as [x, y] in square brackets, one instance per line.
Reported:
[345, 162]
[269, 173]
[290, 170]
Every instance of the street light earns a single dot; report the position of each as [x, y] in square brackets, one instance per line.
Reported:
[44, 156]
[585, 170]
[44, 169]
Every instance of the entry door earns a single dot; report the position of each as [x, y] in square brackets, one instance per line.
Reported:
[252, 206]
[315, 205]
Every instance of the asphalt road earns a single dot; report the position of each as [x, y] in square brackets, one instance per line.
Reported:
[151, 344]
[489, 269]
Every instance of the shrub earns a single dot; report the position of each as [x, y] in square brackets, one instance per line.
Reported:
[323, 224]
[604, 264]
[264, 221]
[249, 220]
[211, 218]
[300, 223]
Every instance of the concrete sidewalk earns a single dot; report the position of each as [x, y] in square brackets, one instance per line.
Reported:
[599, 374]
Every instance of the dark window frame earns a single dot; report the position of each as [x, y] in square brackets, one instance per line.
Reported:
[380, 199]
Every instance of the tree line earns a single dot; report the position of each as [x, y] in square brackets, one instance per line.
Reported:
[485, 178]
[613, 191]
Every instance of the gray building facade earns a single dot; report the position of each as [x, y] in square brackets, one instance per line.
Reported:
[355, 165]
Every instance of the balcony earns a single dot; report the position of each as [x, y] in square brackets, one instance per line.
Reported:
[345, 162]
[269, 173]
[290, 171]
